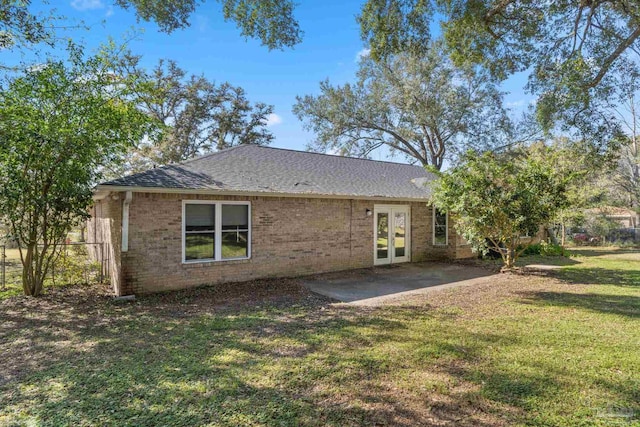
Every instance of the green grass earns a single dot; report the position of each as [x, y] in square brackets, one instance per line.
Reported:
[516, 350]
[13, 274]
[616, 267]
[199, 248]
[71, 268]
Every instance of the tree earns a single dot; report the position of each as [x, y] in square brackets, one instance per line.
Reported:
[18, 26]
[627, 176]
[197, 115]
[422, 107]
[598, 224]
[497, 199]
[59, 124]
[625, 181]
[575, 50]
[582, 169]
[272, 21]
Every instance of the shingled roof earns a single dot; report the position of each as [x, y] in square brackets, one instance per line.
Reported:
[257, 169]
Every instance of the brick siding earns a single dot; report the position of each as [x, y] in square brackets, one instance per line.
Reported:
[289, 237]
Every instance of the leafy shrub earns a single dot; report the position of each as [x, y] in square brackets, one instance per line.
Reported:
[622, 235]
[550, 249]
[73, 266]
[533, 249]
[545, 249]
[626, 244]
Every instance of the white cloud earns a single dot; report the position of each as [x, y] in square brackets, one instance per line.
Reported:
[87, 4]
[515, 104]
[37, 67]
[362, 53]
[202, 23]
[109, 11]
[273, 119]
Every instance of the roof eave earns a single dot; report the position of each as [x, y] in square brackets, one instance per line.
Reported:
[100, 193]
[103, 190]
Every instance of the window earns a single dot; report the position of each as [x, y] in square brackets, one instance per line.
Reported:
[215, 231]
[199, 234]
[440, 227]
[235, 231]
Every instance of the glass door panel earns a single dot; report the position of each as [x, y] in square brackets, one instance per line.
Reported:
[382, 235]
[400, 233]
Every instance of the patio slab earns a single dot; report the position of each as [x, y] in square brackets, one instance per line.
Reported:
[375, 286]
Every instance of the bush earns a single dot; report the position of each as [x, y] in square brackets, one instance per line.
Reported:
[73, 266]
[626, 244]
[545, 249]
[622, 235]
[550, 249]
[533, 249]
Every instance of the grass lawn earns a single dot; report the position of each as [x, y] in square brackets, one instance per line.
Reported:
[72, 267]
[13, 274]
[231, 247]
[560, 350]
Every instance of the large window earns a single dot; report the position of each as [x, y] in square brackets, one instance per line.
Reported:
[215, 231]
[200, 231]
[439, 227]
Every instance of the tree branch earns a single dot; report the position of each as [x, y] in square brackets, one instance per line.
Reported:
[608, 61]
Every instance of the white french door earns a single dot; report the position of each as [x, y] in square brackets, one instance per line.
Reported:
[391, 234]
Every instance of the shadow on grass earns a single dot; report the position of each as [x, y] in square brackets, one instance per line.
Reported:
[156, 363]
[595, 251]
[623, 305]
[599, 276]
[175, 360]
[546, 260]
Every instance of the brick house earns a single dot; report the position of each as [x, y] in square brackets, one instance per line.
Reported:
[252, 212]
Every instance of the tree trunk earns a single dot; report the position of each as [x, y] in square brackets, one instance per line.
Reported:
[32, 279]
[564, 233]
[509, 261]
[510, 258]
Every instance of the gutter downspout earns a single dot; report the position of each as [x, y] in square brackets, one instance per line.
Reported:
[125, 220]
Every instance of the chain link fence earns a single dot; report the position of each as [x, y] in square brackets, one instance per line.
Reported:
[74, 263]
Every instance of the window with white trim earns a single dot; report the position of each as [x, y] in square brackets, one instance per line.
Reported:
[216, 231]
[440, 237]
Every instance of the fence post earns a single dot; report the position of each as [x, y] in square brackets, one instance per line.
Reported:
[106, 260]
[3, 256]
[101, 246]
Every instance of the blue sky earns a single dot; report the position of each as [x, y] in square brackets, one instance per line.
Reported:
[214, 48]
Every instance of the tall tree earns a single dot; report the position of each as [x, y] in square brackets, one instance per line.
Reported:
[272, 21]
[626, 178]
[423, 107]
[60, 123]
[497, 199]
[18, 25]
[197, 115]
[575, 50]
[582, 168]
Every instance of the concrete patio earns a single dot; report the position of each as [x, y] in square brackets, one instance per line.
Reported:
[378, 285]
